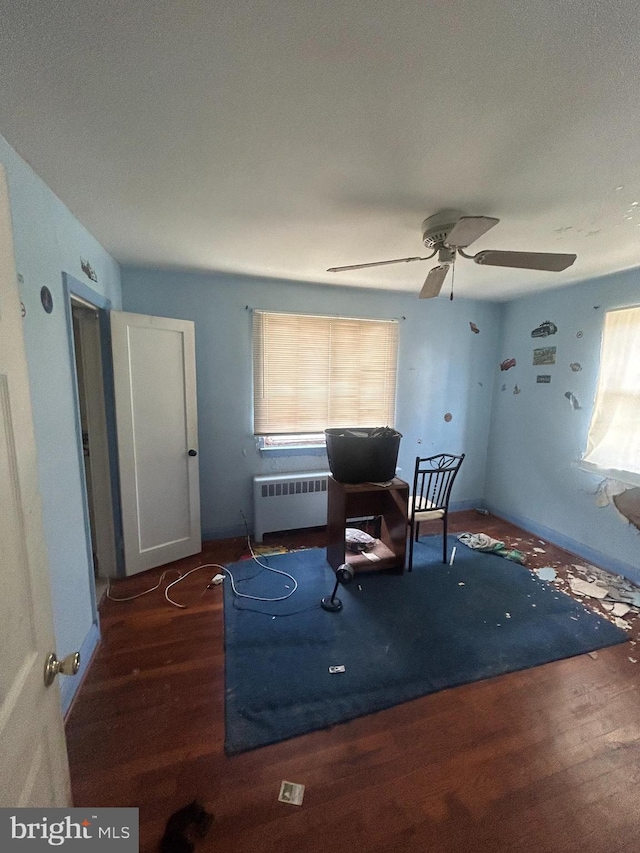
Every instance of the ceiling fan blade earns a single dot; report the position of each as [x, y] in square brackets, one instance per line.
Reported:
[377, 264]
[468, 229]
[552, 262]
[434, 282]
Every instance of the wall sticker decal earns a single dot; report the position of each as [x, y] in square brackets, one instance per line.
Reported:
[544, 329]
[544, 355]
[47, 299]
[576, 366]
[508, 363]
[543, 379]
[571, 398]
[474, 328]
[88, 270]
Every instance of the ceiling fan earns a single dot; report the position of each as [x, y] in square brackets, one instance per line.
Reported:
[449, 233]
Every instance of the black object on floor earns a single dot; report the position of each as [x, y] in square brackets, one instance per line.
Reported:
[344, 575]
[398, 637]
[191, 821]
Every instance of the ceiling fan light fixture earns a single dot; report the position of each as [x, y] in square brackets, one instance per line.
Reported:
[446, 256]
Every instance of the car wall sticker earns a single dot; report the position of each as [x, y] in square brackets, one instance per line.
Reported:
[545, 329]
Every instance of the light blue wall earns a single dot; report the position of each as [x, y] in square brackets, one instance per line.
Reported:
[537, 437]
[443, 367]
[49, 240]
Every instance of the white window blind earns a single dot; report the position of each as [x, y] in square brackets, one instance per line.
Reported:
[311, 373]
[613, 443]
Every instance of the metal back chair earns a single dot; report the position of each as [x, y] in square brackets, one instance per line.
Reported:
[429, 499]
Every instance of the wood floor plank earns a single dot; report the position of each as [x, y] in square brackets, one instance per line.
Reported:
[546, 759]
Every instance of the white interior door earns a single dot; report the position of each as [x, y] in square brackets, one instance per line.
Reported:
[154, 369]
[33, 758]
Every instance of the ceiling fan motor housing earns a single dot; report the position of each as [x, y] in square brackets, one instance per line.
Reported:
[437, 228]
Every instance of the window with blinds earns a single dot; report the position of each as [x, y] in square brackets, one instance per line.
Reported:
[312, 372]
[613, 443]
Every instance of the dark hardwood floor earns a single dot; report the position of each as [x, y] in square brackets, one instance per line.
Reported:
[546, 759]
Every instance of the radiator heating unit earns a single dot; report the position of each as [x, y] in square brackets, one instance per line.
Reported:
[289, 501]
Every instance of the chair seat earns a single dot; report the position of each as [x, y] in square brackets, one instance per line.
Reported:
[424, 511]
[429, 515]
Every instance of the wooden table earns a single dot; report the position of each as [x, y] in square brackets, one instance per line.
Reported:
[362, 500]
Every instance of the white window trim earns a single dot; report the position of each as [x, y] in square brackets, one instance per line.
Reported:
[632, 478]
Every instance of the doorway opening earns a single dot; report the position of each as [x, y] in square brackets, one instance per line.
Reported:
[87, 346]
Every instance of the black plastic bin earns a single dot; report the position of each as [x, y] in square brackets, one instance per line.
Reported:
[357, 456]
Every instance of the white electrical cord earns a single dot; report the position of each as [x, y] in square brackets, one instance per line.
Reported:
[182, 577]
[153, 588]
[264, 566]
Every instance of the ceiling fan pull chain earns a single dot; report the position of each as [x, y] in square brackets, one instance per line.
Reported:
[453, 275]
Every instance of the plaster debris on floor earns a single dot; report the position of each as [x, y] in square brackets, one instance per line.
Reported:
[593, 590]
[546, 573]
[611, 596]
[619, 609]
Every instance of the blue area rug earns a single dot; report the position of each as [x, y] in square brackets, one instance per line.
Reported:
[399, 637]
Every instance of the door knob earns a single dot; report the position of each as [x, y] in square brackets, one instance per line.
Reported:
[68, 666]
[193, 453]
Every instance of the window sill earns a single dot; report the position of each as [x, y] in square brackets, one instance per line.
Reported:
[297, 447]
[303, 450]
[628, 477]
[300, 443]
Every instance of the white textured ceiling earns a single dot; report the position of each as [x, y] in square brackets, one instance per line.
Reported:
[280, 138]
